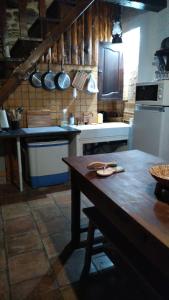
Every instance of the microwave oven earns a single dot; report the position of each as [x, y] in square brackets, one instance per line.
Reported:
[153, 93]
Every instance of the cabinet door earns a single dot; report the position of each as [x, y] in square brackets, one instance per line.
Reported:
[110, 71]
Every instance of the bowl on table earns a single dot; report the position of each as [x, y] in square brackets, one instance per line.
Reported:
[161, 174]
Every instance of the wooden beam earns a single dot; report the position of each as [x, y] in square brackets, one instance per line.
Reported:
[23, 70]
[151, 5]
[3, 24]
[22, 18]
[42, 8]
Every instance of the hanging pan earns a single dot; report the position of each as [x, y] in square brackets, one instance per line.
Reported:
[47, 79]
[62, 79]
[35, 78]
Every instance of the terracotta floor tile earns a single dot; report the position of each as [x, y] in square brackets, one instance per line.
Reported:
[52, 295]
[27, 266]
[66, 211]
[40, 202]
[72, 269]
[15, 210]
[54, 244]
[69, 293]
[58, 224]
[47, 213]
[2, 253]
[19, 225]
[23, 243]
[35, 288]
[4, 286]
[62, 199]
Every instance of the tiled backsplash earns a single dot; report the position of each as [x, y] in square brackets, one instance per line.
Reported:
[38, 98]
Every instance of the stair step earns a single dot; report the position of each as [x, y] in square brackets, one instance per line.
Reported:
[12, 3]
[59, 8]
[41, 27]
[23, 47]
[7, 65]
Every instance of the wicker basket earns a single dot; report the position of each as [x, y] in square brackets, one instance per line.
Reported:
[161, 174]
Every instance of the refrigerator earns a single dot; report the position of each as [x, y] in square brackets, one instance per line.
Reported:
[151, 130]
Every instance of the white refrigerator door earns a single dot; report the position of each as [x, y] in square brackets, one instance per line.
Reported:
[164, 136]
[147, 128]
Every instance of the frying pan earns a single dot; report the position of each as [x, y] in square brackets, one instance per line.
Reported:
[47, 79]
[62, 79]
[35, 78]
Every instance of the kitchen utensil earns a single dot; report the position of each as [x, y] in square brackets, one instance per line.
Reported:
[109, 171]
[74, 93]
[47, 79]
[62, 79]
[35, 78]
[79, 80]
[96, 165]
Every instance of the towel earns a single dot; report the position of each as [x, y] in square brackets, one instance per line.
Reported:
[92, 85]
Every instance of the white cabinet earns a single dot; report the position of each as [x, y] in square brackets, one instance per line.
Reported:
[106, 132]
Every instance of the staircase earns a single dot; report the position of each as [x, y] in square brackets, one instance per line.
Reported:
[32, 49]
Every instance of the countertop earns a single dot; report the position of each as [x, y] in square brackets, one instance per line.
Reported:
[101, 126]
[39, 131]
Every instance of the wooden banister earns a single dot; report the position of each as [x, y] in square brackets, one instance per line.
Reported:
[22, 71]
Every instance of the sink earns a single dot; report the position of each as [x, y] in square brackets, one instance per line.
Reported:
[43, 129]
[100, 126]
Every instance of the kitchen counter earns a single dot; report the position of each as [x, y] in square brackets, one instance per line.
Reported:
[38, 132]
[96, 133]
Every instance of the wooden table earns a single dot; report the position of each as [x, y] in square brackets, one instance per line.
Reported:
[127, 199]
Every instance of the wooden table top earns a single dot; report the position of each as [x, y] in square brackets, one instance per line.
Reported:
[132, 191]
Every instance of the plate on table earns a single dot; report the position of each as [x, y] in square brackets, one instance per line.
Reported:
[109, 171]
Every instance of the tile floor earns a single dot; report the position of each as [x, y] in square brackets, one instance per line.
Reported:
[34, 230]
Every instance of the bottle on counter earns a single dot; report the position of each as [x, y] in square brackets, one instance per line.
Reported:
[71, 119]
[64, 117]
[99, 118]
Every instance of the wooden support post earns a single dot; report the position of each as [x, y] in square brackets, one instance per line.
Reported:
[23, 18]
[88, 37]
[2, 26]
[74, 45]
[67, 46]
[80, 40]
[42, 14]
[95, 34]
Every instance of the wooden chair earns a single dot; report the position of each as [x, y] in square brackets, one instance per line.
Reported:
[96, 221]
[122, 252]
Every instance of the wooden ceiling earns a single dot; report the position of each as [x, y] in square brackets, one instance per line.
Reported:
[151, 5]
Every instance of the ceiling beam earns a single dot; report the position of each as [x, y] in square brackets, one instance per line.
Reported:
[150, 5]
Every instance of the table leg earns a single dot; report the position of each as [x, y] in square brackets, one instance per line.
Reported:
[19, 164]
[75, 211]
